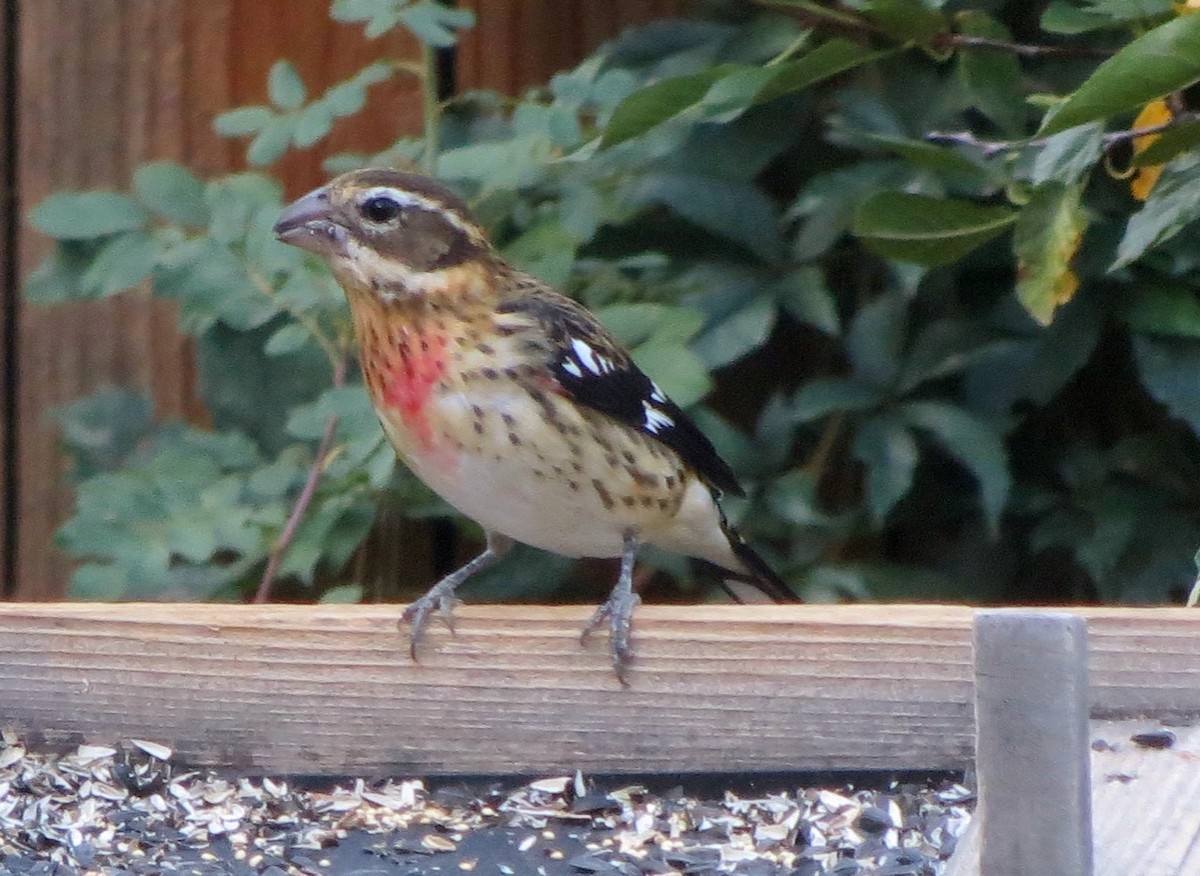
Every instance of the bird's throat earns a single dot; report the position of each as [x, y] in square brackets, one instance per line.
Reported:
[403, 360]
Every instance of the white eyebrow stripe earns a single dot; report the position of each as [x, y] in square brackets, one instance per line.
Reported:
[411, 199]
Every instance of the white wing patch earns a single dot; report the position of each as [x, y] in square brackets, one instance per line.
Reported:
[656, 420]
[589, 359]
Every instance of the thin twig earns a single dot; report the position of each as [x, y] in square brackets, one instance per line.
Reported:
[1027, 50]
[431, 109]
[327, 345]
[834, 17]
[303, 500]
[1112, 138]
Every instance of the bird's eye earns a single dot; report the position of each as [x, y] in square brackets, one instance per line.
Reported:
[380, 209]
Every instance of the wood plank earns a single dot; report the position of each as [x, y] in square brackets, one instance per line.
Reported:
[1159, 788]
[8, 288]
[106, 85]
[1031, 749]
[1145, 805]
[99, 93]
[330, 689]
[520, 44]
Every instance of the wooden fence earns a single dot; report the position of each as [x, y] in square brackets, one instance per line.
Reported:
[100, 86]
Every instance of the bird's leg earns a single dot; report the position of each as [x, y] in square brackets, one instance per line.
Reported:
[441, 594]
[618, 611]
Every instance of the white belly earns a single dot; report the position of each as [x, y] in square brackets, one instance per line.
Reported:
[564, 486]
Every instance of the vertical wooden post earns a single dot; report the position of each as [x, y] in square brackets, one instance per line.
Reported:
[1032, 754]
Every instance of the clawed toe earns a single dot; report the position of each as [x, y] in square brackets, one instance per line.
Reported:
[416, 616]
[618, 613]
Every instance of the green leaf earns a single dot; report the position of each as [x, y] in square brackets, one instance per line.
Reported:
[1065, 18]
[1047, 236]
[805, 296]
[287, 339]
[173, 191]
[909, 20]
[925, 230]
[122, 263]
[654, 104]
[735, 210]
[992, 81]
[313, 124]
[346, 594]
[1164, 309]
[546, 251]
[828, 59]
[888, 450]
[953, 166]
[1170, 143]
[1169, 368]
[735, 334]
[943, 347]
[1160, 61]
[822, 396]
[1173, 203]
[101, 430]
[974, 444]
[243, 121]
[285, 88]
[434, 24]
[794, 498]
[272, 141]
[360, 10]
[1068, 156]
[678, 371]
[876, 339]
[260, 407]
[87, 215]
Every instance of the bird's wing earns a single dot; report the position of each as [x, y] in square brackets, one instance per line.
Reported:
[596, 372]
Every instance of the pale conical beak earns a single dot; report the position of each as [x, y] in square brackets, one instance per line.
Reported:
[311, 223]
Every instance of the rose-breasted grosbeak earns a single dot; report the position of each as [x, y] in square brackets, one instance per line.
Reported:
[510, 400]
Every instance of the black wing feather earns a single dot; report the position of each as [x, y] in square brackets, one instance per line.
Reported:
[597, 373]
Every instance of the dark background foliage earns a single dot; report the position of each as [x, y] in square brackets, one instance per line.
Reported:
[909, 264]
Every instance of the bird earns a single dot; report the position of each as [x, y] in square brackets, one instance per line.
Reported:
[512, 401]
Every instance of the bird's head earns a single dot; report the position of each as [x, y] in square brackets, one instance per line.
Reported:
[384, 230]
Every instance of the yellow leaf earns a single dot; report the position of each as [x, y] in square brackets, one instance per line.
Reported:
[1156, 112]
[1047, 235]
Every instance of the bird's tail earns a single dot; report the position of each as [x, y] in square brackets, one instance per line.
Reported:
[758, 572]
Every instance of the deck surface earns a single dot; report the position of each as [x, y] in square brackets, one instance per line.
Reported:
[1145, 805]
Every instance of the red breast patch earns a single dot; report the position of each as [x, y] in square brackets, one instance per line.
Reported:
[411, 375]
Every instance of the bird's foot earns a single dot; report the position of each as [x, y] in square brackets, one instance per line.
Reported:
[416, 615]
[618, 612]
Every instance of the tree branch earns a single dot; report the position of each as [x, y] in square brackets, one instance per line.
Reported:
[834, 17]
[303, 500]
[1026, 50]
[1112, 138]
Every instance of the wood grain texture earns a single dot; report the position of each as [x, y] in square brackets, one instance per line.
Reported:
[520, 44]
[107, 84]
[1031, 743]
[100, 91]
[1145, 805]
[8, 281]
[330, 690]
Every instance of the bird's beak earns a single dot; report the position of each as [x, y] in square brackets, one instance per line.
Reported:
[311, 223]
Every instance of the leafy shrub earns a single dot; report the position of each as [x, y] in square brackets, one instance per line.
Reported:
[937, 284]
